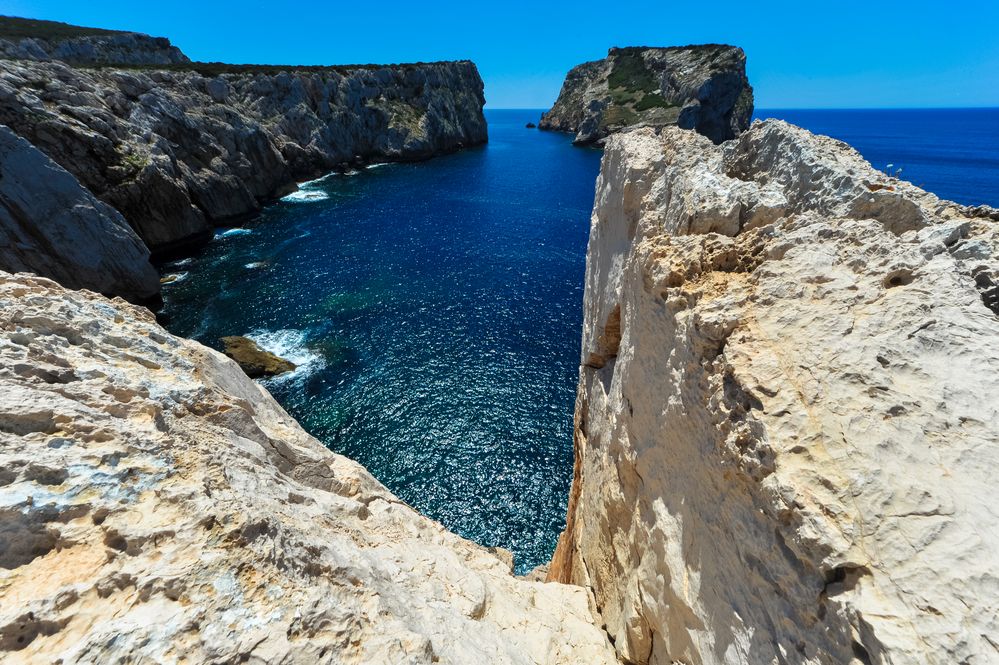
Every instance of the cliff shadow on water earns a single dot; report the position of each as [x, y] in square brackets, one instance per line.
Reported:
[433, 311]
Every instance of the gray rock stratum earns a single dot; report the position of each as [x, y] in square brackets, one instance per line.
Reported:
[694, 87]
[177, 148]
[787, 424]
[158, 506]
[29, 39]
[52, 226]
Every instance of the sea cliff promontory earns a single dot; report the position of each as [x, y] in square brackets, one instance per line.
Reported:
[177, 147]
[787, 423]
[702, 87]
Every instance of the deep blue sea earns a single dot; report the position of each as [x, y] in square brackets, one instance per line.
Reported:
[435, 308]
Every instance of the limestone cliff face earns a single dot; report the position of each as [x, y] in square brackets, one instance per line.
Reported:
[50, 225]
[787, 425]
[178, 148]
[694, 87]
[158, 506]
[29, 39]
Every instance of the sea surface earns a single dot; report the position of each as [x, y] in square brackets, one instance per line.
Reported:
[434, 309]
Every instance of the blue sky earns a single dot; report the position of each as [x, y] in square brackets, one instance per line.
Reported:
[803, 54]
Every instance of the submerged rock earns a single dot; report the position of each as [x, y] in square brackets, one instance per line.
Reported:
[787, 424]
[694, 87]
[52, 226]
[158, 505]
[253, 360]
[530, 125]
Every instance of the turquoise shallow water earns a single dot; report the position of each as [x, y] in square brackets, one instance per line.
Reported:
[435, 308]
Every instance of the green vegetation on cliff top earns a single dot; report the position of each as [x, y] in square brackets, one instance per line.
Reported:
[13, 27]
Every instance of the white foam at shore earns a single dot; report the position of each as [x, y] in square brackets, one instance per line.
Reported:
[305, 195]
[232, 232]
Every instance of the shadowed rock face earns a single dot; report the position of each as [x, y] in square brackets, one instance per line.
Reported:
[787, 424]
[693, 87]
[29, 39]
[175, 150]
[156, 503]
[52, 226]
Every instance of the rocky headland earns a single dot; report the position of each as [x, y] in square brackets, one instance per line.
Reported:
[178, 147]
[787, 424]
[701, 87]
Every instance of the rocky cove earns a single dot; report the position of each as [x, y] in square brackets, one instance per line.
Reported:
[784, 437]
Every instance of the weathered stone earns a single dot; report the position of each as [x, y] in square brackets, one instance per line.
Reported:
[156, 505]
[52, 226]
[253, 360]
[694, 87]
[787, 424]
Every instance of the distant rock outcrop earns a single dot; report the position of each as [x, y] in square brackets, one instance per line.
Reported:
[30, 39]
[158, 505]
[787, 423]
[693, 87]
[178, 148]
[50, 225]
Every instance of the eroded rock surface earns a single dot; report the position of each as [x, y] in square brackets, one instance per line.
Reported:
[700, 87]
[158, 506]
[52, 226]
[787, 425]
[175, 149]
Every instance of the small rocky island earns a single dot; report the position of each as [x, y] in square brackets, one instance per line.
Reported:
[703, 88]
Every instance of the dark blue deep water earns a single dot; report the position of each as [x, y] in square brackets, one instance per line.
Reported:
[435, 308]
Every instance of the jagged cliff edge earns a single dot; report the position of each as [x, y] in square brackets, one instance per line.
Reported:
[787, 423]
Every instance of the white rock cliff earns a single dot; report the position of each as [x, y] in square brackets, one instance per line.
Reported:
[158, 506]
[787, 425]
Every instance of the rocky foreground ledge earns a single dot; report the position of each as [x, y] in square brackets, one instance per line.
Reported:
[787, 425]
[156, 505]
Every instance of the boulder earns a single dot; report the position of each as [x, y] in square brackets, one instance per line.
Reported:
[253, 360]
